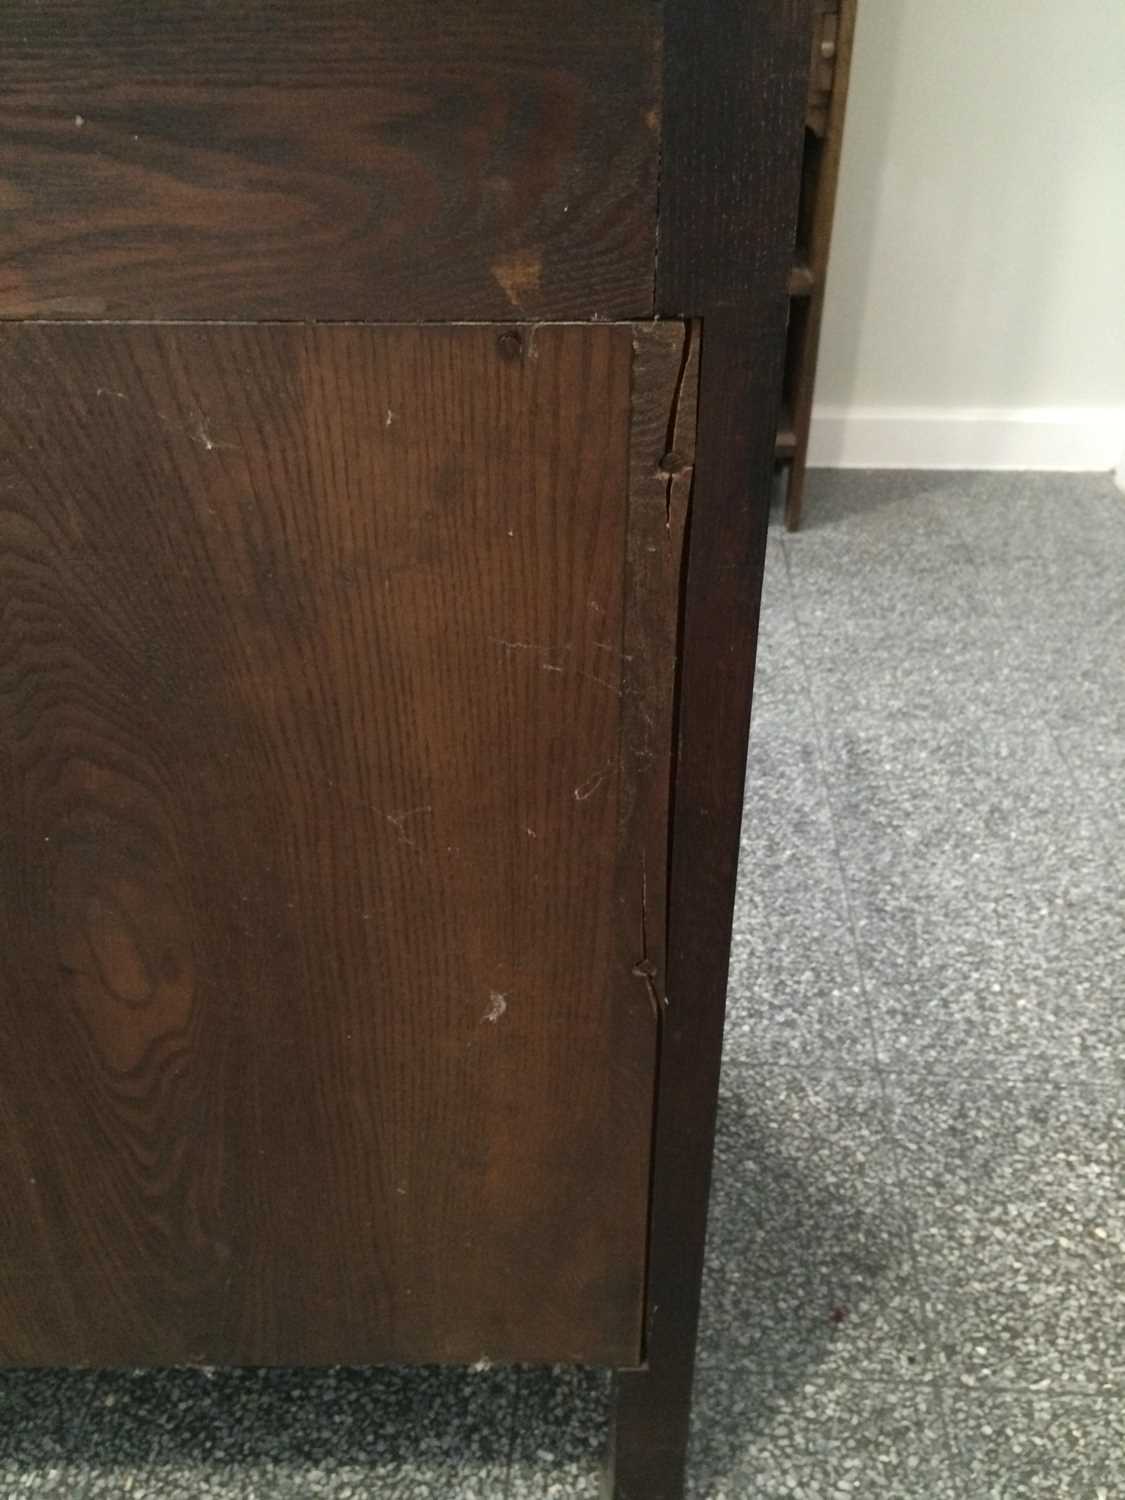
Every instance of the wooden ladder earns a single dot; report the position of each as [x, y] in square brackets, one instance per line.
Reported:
[829, 76]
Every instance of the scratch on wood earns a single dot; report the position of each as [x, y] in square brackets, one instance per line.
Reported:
[497, 1005]
[519, 275]
[586, 789]
[201, 435]
[559, 667]
[673, 466]
[398, 822]
[548, 664]
[614, 687]
[644, 968]
[518, 645]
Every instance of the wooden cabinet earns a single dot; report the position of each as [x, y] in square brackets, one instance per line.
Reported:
[386, 411]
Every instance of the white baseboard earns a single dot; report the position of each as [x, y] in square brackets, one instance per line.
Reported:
[1080, 439]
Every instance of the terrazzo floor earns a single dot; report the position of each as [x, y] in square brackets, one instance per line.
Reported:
[916, 1267]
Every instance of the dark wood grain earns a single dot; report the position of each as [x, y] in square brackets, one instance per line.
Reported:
[735, 88]
[329, 160]
[322, 731]
[727, 132]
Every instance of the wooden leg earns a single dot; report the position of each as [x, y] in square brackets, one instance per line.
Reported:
[726, 560]
[649, 1433]
[739, 68]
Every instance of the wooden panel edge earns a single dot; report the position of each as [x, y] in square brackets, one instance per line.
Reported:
[734, 105]
[661, 454]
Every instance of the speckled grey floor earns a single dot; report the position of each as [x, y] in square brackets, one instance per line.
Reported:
[916, 1269]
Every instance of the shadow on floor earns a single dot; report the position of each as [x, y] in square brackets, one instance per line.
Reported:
[793, 1258]
[797, 1261]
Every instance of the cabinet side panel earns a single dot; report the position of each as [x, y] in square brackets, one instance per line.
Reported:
[318, 828]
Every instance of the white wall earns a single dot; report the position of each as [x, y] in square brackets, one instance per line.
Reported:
[976, 299]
